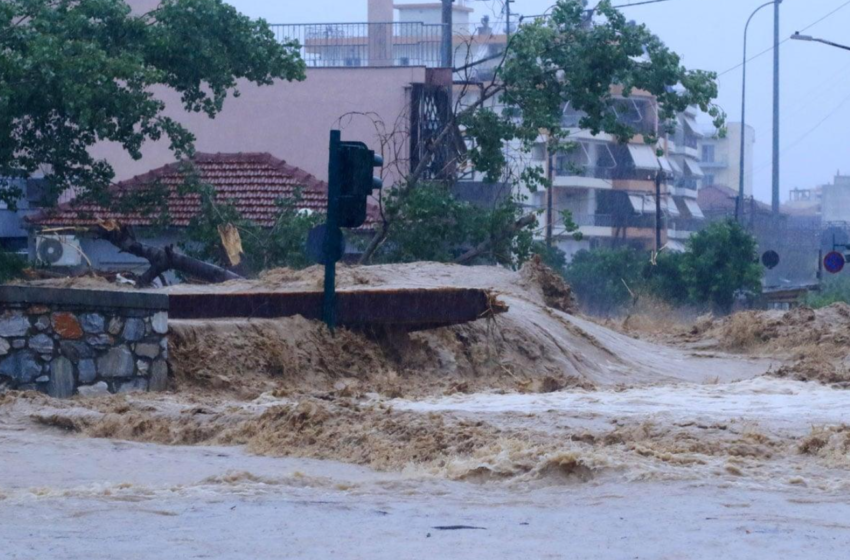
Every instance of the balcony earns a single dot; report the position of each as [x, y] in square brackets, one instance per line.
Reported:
[339, 45]
[716, 163]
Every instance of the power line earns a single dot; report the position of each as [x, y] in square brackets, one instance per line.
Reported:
[764, 52]
[808, 133]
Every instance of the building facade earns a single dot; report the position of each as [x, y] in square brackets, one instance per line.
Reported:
[720, 158]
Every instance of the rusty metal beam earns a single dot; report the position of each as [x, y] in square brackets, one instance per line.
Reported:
[411, 309]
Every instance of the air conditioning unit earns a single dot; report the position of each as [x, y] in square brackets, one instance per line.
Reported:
[58, 250]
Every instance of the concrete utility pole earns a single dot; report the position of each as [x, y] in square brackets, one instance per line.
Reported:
[508, 17]
[775, 108]
[447, 34]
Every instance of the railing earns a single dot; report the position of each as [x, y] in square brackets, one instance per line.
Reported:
[716, 163]
[563, 170]
[686, 224]
[686, 183]
[331, 45]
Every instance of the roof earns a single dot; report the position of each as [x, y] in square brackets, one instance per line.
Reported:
[717, 198]
[252, 182]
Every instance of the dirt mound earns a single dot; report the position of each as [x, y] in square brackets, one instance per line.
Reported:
[816, 368]
[532, 347]
[797, 330]
[556, 292]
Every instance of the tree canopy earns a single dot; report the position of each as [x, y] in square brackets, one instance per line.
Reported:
[77, 72]
[558, 59]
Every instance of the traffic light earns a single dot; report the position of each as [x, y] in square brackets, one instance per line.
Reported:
[357, 163]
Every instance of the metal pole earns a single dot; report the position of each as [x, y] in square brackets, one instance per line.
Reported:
[447, 34]
[776, 108]
[739, 203]
[549, 194]
[332, 231]
[658, 176]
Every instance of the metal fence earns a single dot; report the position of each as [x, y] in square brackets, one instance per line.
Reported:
[333, 45]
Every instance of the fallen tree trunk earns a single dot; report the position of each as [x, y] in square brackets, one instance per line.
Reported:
[161, 259]
[485, 246]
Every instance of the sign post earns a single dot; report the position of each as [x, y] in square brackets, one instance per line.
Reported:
[350, 183]
[332, 231]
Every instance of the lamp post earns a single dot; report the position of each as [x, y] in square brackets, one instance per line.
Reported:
[797, 37]
[739, 203]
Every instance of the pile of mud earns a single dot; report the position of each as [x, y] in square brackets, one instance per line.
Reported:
[534, 347]
[799, 331]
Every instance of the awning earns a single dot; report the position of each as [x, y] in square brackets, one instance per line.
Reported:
[666, 164]
[672, 209]
[643, 204]
[644, 157]
[694, 168]
[676, 246]
[677, 169]
[694, 208]
[692, 124]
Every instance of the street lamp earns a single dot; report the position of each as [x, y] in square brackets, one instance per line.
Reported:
[739, 203]
[797, 37]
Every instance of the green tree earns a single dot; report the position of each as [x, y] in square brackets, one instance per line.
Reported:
[281, 245]
[605, 280]
[77, 72]
[11, 266]
[720, 261]
[547, 63]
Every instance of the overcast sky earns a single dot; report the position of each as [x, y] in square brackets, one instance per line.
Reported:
[708, 34]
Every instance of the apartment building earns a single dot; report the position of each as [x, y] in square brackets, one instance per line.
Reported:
[720, 158]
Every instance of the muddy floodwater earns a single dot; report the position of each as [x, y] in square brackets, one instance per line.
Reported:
[542, 434]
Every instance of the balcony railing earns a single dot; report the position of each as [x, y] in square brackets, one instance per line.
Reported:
[331, 45]
[686, 183]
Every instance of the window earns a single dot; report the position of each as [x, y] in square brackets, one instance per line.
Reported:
[708, 180]
[708, 153]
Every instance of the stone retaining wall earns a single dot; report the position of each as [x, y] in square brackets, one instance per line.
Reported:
[88, 342]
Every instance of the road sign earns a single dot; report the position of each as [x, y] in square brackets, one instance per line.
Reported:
[834, 262]
[316, 245]
[770, 259]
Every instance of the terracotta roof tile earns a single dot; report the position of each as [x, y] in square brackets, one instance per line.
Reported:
[252, 182]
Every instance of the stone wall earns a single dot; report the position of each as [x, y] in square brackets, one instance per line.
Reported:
[88, 342]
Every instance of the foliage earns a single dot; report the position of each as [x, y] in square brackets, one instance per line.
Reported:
[549, 62]
[77, 72]
[721, 261]
[439, 227]
[282, 245]
[605, 280]
[562, 59]
[11, 266]
[832, 290]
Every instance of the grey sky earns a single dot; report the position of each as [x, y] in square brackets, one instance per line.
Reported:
[709, 34]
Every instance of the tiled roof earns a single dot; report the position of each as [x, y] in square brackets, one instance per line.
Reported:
[252, 182]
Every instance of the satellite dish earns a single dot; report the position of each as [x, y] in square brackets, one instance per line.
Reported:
[50, 250]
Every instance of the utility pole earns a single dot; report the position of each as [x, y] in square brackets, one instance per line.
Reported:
[775, 108]
[508, 17]
[659, 176]
[447, 34]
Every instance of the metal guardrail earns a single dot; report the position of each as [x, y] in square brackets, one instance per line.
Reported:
[334, 45]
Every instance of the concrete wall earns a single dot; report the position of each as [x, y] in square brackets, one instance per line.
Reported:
[88, 342]
[292, 121]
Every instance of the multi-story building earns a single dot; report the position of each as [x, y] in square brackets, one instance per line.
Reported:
[720, 158]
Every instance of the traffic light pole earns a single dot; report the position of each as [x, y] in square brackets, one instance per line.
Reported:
[332, 230]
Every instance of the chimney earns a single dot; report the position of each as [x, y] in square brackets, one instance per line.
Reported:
[380, 11]
[380, 32]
